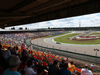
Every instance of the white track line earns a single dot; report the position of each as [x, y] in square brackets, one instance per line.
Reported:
[54, 42]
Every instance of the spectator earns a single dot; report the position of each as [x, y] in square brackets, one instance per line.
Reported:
[92, 66]
[28, 69]
[16, 47]
[14, 63]
[53, 69]
[64, 71]
[85, 71]
[22, 46]
[40, 67]
[71, 67]
[62, 64]
[23, 64]
[67, 60]
[24, 54]
[19, 54]
[0, 46]
[6, 53]
[13, 51]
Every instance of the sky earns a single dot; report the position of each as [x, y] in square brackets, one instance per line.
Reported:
[89, 20]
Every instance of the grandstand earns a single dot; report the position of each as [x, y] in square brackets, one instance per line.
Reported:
[48, 51]
[42, 52]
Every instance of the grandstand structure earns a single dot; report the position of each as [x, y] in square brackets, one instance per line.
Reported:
[19, 12]
[80, 28]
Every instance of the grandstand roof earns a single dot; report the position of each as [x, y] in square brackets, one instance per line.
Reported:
[18, 12]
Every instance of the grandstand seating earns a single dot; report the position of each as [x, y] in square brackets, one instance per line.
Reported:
[12, 39]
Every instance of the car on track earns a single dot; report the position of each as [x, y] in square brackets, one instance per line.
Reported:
[58, 43]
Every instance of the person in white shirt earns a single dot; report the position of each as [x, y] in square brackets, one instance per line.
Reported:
[28, 69]
[86, 71]
[92, 66]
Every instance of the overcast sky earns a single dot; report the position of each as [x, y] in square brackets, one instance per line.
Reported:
[90, 20]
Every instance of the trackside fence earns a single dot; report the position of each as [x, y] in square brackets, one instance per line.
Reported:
[85, 57]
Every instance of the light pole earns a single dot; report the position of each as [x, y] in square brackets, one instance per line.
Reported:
[37, 38]
[53, 47]
[59, 48]
[84, 52]
[96, 53]
[37, 41]
[66, 49]
[75, 50]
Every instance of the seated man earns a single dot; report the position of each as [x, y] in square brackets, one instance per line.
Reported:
[6, 53]
[28, 69]
[62, 64]
[53, 69]
[64, 71]
[40, 67]
[85, 71]
[14, 63]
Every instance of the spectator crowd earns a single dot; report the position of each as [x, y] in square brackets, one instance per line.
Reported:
[16, 59]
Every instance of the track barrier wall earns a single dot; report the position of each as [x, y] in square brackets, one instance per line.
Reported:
[84, 57]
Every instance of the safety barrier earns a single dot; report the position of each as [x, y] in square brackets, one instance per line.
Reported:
[88, 58]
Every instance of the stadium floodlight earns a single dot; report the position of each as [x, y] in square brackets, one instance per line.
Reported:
[96, 53]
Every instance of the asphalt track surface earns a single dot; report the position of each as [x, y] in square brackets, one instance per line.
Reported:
[83, 49]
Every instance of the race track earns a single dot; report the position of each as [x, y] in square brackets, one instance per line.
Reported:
[84, 49]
